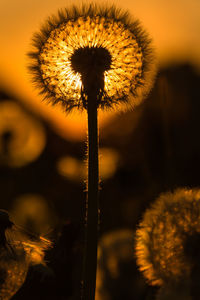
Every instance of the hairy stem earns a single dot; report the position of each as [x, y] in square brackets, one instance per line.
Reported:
[92, 202]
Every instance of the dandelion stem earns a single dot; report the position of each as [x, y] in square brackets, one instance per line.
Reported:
[92, 201]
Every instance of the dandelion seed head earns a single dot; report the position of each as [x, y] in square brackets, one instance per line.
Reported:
[165, 230]
[17, 252]
[35, 250]
[92, 44]
[22, 137]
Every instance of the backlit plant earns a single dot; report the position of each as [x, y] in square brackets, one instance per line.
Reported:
[90, 58]
[18, 251]
[168, 239]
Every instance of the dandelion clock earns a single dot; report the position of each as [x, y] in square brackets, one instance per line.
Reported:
[168, 244]
[18, 251]
[89, 58]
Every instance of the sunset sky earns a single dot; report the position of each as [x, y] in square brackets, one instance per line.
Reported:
[173, 25]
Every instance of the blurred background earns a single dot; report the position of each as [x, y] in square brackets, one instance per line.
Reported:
[143, 153]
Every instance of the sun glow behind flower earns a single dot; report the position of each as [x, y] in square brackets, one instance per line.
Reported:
[175, 34]
[126, 79]
[98, 32]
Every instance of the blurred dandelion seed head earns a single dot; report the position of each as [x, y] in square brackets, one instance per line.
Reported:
[81, 46]
[115, 253]
[22, 137]
[25, 210]
[19, 251]
[75, 169]
[163, 233]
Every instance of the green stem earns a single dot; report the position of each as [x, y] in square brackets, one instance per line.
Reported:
[92, 208]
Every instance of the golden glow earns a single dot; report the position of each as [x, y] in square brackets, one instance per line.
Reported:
[175, 34]
[108, 162]
[35, 251]
[27, 136]
[16, 259]
[28, 246]
[161, 236]
[20, 251]
[74, 169]
[16, 274]
[71, 168]
[25, 213]
[114, 249]
[127, 66]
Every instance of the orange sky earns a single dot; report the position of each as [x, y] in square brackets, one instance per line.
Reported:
[174, 26]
